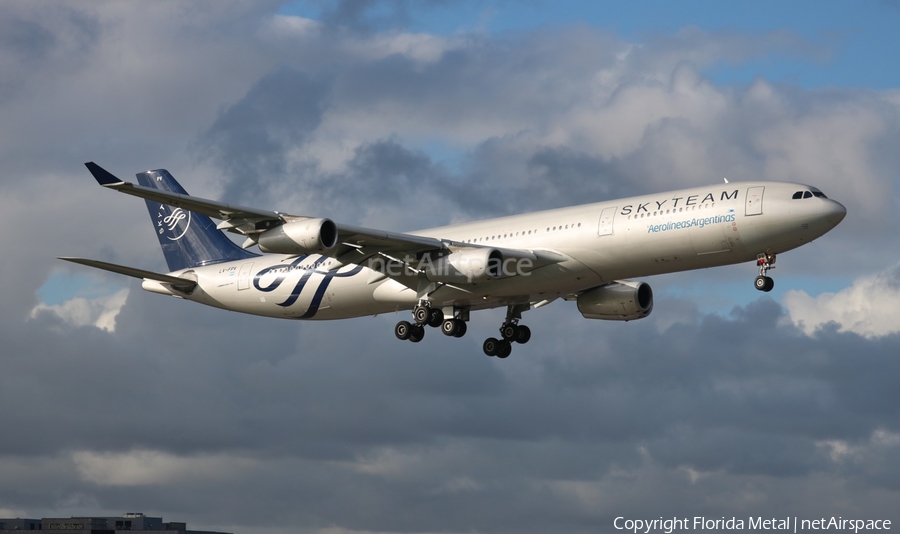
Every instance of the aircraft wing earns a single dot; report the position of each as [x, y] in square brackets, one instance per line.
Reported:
[247, 221]
[354, 244]
[210, 208]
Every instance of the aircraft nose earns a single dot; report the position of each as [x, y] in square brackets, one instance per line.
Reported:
[833, 212]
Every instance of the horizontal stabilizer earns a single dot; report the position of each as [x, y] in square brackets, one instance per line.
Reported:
[181, 284]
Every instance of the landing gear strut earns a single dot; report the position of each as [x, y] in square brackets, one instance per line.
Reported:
[510, 332]
[765, 262]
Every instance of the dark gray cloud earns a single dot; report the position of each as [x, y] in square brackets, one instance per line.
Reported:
[256, 425]
[310, 424]
[249, 140]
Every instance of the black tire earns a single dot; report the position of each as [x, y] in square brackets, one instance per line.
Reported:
[449, 327]
[417, 333]
[760, 283]
[460, 328]
[770, 284]
[403, 330]
[435, 318]
[421, 314]
[509, 331]
[523, 335]
[491, 346]
[505, 349]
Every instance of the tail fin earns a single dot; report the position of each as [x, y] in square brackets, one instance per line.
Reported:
[187, 239]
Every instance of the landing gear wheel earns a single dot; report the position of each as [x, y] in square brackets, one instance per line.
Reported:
[491, 346]
[435, 318]
[505, 349]
[509, 331]
[450, 326]
[523, 335]
[454, 327]
[403, 330]
[417, 333]
[460, 329]
[764, 283]
[421, 314]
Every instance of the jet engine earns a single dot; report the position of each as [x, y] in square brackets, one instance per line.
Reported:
[465, 267]
[300, 237]
[622, 300]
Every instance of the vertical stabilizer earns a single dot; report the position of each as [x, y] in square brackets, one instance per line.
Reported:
[187, 239]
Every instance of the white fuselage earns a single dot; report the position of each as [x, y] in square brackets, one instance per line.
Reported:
[602, 242]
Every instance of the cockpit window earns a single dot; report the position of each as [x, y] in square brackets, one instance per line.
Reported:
[808, 194]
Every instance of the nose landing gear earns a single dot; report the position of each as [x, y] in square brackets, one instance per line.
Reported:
[765, 262]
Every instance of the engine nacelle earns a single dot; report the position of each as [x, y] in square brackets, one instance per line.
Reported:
[619, 301]
[300, 237]
[465, 267]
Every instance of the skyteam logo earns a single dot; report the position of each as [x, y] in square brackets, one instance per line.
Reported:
[173, 223]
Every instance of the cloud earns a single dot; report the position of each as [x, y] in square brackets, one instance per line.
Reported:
[869, 307]
[147, 467]
[100, 312]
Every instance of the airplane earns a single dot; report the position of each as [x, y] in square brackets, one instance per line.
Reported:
[312, 268]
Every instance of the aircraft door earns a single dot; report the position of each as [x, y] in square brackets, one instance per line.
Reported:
[607, 216]
[244, 276]
[754, 205]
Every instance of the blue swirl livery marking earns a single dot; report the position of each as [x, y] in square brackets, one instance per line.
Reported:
[285, 269]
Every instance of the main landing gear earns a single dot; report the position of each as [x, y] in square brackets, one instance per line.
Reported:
[765, 262]
[510, 332]
[425, 315]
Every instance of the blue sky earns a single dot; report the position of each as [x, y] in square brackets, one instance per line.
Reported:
[858, 40]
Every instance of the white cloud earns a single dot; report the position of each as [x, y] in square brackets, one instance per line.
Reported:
[150, 467]
[12, 512]
[869, 307]
[79, 311]
[839, 450]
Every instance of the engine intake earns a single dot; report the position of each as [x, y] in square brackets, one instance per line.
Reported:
[300, 237]
[621, 300]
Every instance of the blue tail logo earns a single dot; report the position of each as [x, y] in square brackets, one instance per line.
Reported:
[187, 239]
[170, 224]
